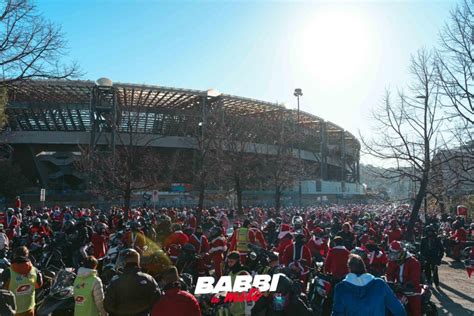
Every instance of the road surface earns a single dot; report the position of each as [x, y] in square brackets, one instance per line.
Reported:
[455, 296]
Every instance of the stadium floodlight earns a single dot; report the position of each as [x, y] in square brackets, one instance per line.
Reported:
[298, 92]
[213, 93]
[104, 82]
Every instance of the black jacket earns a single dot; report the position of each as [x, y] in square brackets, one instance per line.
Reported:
[431, 250]
[133, 293]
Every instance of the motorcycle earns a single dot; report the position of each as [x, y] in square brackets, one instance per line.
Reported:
[257, 258]
[449, 245]
[60, 299]
[320, 293]
[428, 308]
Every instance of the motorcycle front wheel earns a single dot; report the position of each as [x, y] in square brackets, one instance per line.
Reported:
[430, 310]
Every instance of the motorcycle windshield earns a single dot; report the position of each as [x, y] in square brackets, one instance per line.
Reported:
[64, 279]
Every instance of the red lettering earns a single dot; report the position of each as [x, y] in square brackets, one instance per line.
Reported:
[254, 295]
[234, 297]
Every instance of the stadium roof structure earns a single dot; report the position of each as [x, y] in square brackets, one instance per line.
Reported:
[64, 105]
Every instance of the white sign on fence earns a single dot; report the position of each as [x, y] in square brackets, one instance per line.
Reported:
[154, 197]
[43, 195]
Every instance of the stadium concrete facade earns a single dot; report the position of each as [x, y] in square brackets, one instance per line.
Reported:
[48, 121]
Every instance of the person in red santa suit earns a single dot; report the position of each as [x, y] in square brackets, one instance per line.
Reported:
[37, 228]
[405, 270]
[18, 203]
[217, 250]
[394, 232]
[259, 238]
[459, 237]
[285, 238]
[318, 244]
[175, 241]
[11, 223]
[134, 238]
[100, 240]
[197, 239]
[298, 225]
[376, 256]
[192, 220]
[297, 256]
[336, 260]
[470, 263]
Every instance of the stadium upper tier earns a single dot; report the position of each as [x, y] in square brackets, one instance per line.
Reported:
[46, 105]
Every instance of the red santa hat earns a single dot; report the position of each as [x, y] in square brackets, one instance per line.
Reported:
[318, 231]
[364, 239]
[395, 246]
[284, 230]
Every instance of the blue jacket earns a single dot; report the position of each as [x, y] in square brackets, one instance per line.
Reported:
[365, 295]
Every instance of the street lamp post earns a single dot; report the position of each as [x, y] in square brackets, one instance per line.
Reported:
[298, 93]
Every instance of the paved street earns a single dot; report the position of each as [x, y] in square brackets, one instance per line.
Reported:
[456, 294]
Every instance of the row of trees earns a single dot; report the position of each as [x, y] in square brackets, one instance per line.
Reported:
[229, 155]
[429, 124]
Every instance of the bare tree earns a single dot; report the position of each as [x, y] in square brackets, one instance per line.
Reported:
[406, 131]
[132, 165]
[3, 104]
[455, 60]
[206, 154]
[238, 136]
[30, 46]
[280, 164]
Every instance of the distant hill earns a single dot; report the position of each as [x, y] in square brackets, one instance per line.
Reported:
[395, 189]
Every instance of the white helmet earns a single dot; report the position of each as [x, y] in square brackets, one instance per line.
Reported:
[297, 220]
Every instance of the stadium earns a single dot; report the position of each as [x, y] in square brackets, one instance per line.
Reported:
[49, 122]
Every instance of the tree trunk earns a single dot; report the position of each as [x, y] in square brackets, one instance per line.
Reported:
[416, 208]
[278, 195]
[238, 190]
[202, 189]
[127, 200]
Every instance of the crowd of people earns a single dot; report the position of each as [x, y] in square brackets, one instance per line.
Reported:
[147, 262]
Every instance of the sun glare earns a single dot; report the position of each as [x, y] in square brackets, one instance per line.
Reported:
[334, 46]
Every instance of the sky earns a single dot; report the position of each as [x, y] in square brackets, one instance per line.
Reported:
[342, 54]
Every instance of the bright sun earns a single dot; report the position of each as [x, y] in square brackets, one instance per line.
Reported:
[334, 46]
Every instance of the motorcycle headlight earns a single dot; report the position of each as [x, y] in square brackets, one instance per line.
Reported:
[321, 291]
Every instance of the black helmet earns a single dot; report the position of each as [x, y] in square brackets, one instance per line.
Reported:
[134, 226]
[88, 220]
[189, 248]
[360, 252]
[273, 256]
[271, 223]
[215, 232]
[69, 224]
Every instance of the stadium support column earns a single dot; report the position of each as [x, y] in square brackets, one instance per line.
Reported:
[343, 161]
[323, 151]
[103, 118]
